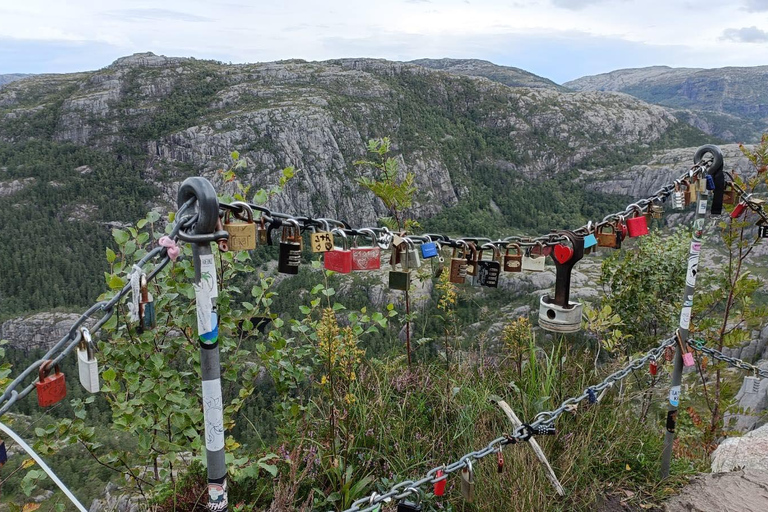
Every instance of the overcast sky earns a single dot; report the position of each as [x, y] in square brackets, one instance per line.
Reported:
[558, 39]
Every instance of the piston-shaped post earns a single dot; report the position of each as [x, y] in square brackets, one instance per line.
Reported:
[559, 314]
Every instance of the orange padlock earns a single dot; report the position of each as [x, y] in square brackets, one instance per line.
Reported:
[51, 389]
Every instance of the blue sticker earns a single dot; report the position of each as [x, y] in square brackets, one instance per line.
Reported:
[590, 241]
[211, 337]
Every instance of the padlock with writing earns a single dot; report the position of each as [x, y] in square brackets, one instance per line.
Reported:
[289, 257]
[488, 270]
[147, 315]
[607, 236]
[408, 505]
[513, 258]
[468, 482]
[340, 258]
[533, 263]
[459, 265]
[242, 235]
[367, 257]
[321, 240]
[87, 366]
[429, 250]
[51, 388]
[637, 225]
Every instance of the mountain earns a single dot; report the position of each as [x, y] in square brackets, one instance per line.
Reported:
[731, 103]
[83, 152]
[8, 78]
[513, 77]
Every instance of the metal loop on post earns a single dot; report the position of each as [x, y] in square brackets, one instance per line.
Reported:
[207, 203]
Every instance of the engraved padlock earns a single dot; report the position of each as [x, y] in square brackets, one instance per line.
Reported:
[637, 225]
[147, 315]
[459, 265]
[488, 270]
[367, 257]
[607, 236]
[51, 388]
[289, 257]
[532, 262]
[321, 240]
[340, 258]
[513, 258]
[242, 234]
[87, 366]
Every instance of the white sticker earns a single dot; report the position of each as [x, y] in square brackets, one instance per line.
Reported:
[695, 247]
[213, 412]
[674, 396]
[685, 318]
[208, 275]
[693, 267]
[204, 309]
[702, 206]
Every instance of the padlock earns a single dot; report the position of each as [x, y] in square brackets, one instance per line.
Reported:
[242, 235]
[653, 367]
[590, 242]
[339, 259]
[678, 197]
[468, 482]
[656, 211]
[692, 193]
[321, 240]
[533, 263]
[411, 261]
[499, 462]
[262, 234]
[709, 182]
[51, 389]
[637, 225]
[459, 265]
[559, 313]
[87, 366]
[147, 316]
[730, 195]
[488, 270]
[703, 185]
[751, 385]
[429, 250]
[410, 506]
[472, 258]
[289, 257]
[762, 231]
[439, 488]
[607, 236]
[513, 258]
[688, 359]
[368, 257]
[399, 279]
[739, 210]
[3, 454]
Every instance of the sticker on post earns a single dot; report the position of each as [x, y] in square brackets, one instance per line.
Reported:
[217, 497]
[674, 396]
[208, 275]
[685, 318]
[204, 309]
[213, 412]
[671, 421]
[693, 267]
[702, 206]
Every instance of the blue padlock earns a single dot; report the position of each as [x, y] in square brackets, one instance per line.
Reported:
[590, 241]
[710, 182]
[428, 250]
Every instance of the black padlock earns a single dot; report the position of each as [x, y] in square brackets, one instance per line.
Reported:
[410, 506]
[762, 231]
[290, 248]
[488, 270]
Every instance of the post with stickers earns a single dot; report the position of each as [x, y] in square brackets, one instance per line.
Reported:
[715, 168]
[206, 290]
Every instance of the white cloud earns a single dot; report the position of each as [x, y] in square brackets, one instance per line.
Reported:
[746, 35]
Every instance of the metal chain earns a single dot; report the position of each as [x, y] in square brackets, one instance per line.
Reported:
[72, 338]
[698, 345]
[385, 236]
[542, 424]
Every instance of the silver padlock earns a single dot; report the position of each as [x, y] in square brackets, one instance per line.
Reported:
[558, 318]
[412, 260]
[532, 263]
[87, 366]
[678, 198]
[751, 385]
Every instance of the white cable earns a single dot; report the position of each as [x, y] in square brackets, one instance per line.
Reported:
[43, 465]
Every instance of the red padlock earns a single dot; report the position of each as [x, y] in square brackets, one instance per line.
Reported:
[637, 225]
[653, 367]
[338, 260]
[51, 389]
[738, 210]
[621, 228]
[366, 258]
[440, 486]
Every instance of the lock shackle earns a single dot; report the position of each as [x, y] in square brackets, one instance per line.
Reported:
[85, 339]
[367, 232]
[240, 210]
[342, 233]
[204, 194]
[289, 225]
[514, 246]
[321, 224]
[414, 491]
[45, 369]
[602, 227]
[636, 209]
[144, 288]
[491, 246]
[563, 270]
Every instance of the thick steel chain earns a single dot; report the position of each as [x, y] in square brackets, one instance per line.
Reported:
[542, 424]
[699, 346]
[72, 338]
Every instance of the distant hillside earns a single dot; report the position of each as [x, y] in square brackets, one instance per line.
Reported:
[507, 75]
[6, 79]
[731, 103]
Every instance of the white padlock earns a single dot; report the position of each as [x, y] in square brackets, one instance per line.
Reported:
[87, 366]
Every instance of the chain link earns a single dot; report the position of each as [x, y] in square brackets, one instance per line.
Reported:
[699, 346]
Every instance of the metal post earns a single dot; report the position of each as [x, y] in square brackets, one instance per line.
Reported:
[206, 291]
[685, 313]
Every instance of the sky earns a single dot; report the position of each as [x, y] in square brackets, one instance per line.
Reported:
[558, 39]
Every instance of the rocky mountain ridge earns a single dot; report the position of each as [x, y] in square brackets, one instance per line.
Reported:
[11, 77]
[507, 75]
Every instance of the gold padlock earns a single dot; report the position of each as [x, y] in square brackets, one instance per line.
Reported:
[322, 240]
[242, 235]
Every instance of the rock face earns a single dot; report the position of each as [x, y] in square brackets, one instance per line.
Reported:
[728, 102]
[12, 77]
[507, 75]
[749, 451]
[740, 491]
[41, 330]
[115, 501]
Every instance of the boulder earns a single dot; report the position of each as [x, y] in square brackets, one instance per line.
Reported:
[738, 491]
[749, 451]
